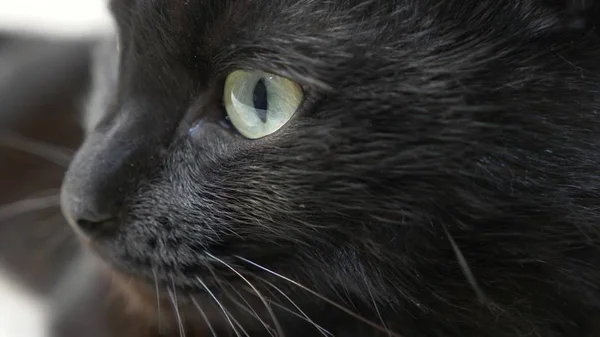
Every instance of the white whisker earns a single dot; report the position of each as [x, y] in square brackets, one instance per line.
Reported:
[235, 321]
[173, 296]
[284, 308]
[56, 239]
[17, 208]
[157, 301]
[302, 313]
[247, 308]
[197, 305]
[267, 306]
[52, 153]
[219, 304]
[347, 311]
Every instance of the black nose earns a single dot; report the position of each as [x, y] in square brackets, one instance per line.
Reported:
[92, 191]
[91, 215]
[116, 158]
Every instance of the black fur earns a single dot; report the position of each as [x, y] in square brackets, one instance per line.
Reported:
[440, 179]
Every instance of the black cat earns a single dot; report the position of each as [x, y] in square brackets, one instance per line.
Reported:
[348, 168]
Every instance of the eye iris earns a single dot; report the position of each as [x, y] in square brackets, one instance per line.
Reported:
[260, 101]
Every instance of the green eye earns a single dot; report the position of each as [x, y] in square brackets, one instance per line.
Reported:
[260, 103]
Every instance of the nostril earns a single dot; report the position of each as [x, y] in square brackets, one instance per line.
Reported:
[97, 228]
[88, 213]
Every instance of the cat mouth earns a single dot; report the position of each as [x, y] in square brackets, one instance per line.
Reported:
[185, 265]
[209, 271]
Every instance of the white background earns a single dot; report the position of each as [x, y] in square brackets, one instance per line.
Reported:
[21, 315]
[65, 18]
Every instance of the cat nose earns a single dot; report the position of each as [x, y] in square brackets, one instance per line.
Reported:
[92, 191]
[90, 215]
[115, 159]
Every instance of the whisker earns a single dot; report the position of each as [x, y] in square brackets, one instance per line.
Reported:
[323, 331]
[247, 308]
[464, 266]
[219, 304]
[267, 306]
[347, 311]
[157, 301]
[54, 240]
[237, 323]
[17, 208]
[52, 153]
[173, 296]
[197, 305]
[278, 305]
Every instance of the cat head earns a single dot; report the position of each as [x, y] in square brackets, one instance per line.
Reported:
[414, 160]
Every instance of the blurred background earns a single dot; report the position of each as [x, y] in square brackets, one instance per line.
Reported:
[44, 56]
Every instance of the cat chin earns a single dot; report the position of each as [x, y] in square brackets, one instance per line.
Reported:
[165, 305]
[166, 309]
[140, 302]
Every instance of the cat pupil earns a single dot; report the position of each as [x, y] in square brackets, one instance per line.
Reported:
[260, 100]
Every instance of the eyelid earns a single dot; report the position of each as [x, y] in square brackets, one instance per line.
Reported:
[222, 72]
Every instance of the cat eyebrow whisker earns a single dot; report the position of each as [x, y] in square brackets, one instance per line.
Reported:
[266, 304]
[214, 297]
[335, 304]
[52, 153]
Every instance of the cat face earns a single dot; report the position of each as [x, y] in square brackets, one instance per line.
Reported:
[416, 160]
